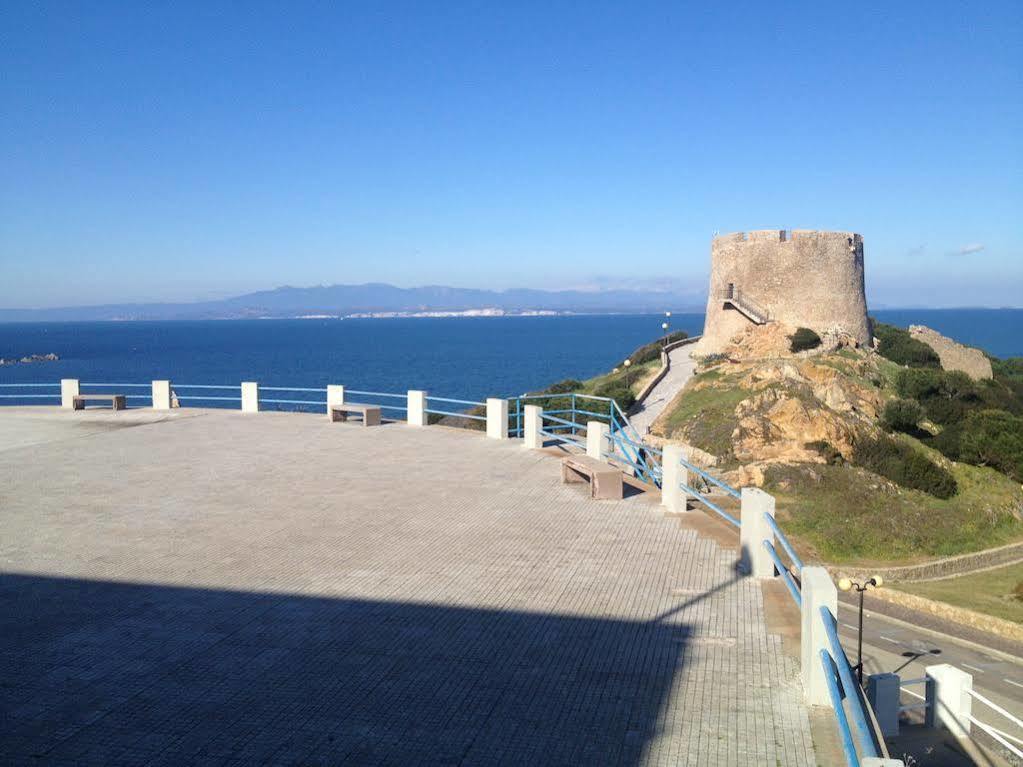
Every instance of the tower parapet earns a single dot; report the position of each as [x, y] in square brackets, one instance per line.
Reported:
[803, 278]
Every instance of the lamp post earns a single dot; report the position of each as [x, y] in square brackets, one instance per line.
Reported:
[664, 326]
[846, 584]
[628, 364]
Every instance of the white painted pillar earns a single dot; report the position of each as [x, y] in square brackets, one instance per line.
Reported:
[596, 438]
[335, 396]
[948, 692]
[880, 761]
[497, 418]
[673, 476]
[161, 395]
[69, 389]
[250, 397]
[754, 531]
[416, 407]
[883, 692]
[532, 424]
[818, 590]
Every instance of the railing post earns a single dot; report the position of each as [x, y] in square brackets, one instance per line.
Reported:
[596, 438]
[817, 591]
[335, 396]
[69, 389]
[883, 692]
[531, 427]
[161, 395]
[756, 560]
[673, 476]
[250, 397]
[416, 407]
[948, 693]
[497, 418]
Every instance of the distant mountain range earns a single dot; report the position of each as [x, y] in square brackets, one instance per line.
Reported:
[377, 299]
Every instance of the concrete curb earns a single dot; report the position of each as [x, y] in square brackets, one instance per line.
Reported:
[947, 567]
[988, 623]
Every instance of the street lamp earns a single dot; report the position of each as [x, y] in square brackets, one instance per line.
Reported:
[664, 326]
[846, 584]
[628, 364]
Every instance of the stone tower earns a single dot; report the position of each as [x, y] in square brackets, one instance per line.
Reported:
[801, 278]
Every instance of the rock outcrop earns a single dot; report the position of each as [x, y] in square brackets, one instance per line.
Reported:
[30, 359]
[954, 355]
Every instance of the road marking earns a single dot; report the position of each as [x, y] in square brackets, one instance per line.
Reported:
[849, 626]
[1014, 683]
[889, 639]
[974, 668]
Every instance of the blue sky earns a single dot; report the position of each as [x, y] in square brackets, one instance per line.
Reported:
[188, 151]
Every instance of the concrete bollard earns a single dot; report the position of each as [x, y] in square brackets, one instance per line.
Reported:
[416, 407]
[250, 397]
[335, 396]
[69, 389]
[532, 424]
[948, 693]
[673, 476]
[818, 590]
[497, 418]
[756, 561]
[596, 438]
[883, 693]
[161, 395]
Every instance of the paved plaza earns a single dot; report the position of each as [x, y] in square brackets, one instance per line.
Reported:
[212, 587]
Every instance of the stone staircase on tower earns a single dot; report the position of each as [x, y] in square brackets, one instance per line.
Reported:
[754, 312]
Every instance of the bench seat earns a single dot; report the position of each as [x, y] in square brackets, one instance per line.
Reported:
[117, 401]
[605, 480]
[370, 413]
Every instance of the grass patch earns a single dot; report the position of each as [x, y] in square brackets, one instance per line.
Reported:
[992, 592]
[845, 514]
[707, 417]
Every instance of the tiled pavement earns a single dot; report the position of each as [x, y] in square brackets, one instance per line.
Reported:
[273, 589]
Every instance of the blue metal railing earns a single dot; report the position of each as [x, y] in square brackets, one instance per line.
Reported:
[55, 395]
[850, 690]
[455, 414]
[381, 395]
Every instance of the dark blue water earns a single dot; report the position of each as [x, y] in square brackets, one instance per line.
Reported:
[464, 358]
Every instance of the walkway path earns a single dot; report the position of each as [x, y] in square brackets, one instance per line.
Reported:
[681, 370]
[223, 588]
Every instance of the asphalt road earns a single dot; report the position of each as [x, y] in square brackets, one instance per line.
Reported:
[894, 646]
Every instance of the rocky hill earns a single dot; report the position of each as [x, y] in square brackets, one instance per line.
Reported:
[860, 469]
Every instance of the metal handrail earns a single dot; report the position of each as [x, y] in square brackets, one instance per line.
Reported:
[291, 388]
[376, 393]
[793, 557]
[865, 734]
[785, 574]
[26, 385]
[844, 731]
[456, 401]
[120, 385]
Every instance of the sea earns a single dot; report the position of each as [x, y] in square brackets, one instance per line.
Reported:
[467, 358]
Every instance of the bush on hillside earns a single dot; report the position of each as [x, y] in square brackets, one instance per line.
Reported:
[900, 347]
[803, 340]
[827, 451]
[991, 438]
[904, 466]
[902, 415]
[946, 397]
[617, 390]
[563, 387]
[652, 351]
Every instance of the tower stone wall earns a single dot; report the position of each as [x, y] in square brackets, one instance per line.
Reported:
[802, 278]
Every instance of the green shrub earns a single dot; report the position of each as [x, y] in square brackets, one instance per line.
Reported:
[617, 390]
[946, 397]
[652, 351]
[900, 347]
[902, 415]
[563, 387]
[803, 340]
[1017, 593]
[993, 438]
[904, 466]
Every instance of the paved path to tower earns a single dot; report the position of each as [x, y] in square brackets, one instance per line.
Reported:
[682, 368]
[225, 588]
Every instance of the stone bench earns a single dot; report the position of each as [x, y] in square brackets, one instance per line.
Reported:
[605, 480]
[116, 400]
[370, 413]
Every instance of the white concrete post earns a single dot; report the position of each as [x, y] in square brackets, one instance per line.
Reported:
[250, 397]
[161, 395]
[335, 396]
[880, 761]
[673, 476]
[532, 424]
[948, 692]
[818, 590]
[883, 693]
[596, 438]
[416, 408]
[754, 531]
[497, 418]
[69, 389]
